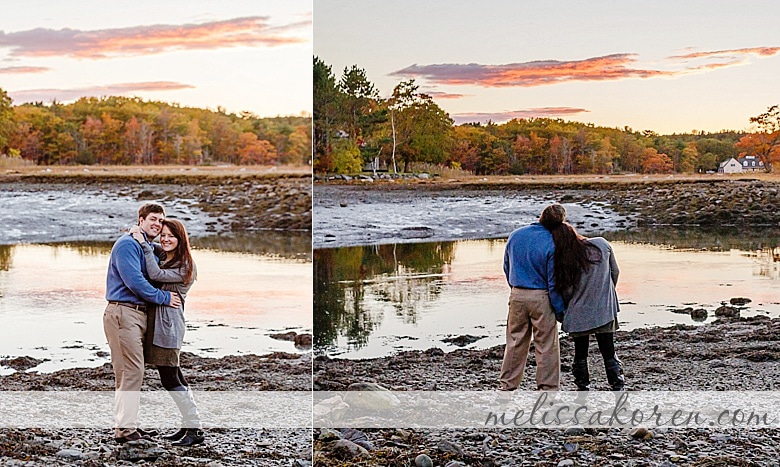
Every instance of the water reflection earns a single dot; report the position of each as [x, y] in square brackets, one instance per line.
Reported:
[371, 301]
[52, 299]
[411, 275]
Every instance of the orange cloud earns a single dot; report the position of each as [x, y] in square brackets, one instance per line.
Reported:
[148, 40]
[762, 51]
[536, 73]
[500, 117]
[23, 69]
[120, 89]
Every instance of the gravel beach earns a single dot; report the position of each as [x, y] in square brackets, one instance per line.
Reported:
[736, 354]
[224, 447]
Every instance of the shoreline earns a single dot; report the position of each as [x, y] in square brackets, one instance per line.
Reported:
[611, 203]
[236, 199]
[279, 371]
[729, 354]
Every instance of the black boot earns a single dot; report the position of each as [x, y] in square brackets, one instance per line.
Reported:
[176, 436]
[192, 437]
[614, 368]
[579, 370]
[190, 418]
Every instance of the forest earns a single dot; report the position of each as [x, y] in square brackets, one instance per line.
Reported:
[355, 127]
[129, 130]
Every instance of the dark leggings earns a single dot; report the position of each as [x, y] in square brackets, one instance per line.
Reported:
[171, 377]
[606, 342]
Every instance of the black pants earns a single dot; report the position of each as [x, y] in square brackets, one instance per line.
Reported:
[606, 341]
[171, 377]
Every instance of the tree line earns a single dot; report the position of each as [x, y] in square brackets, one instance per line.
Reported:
[129, 130]
[354, 127]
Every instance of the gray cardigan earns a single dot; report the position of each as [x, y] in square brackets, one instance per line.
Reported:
[593, 303]
[169, 326]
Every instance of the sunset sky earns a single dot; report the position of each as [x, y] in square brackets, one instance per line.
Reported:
[666, 66]
[243, 55]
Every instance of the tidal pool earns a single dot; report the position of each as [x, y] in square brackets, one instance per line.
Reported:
[52, 298]
[371, 301]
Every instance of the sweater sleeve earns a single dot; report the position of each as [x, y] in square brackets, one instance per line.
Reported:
[172, 275]
[131, 274]
[613, 267]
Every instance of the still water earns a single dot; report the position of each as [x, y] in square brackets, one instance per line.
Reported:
[375, 300]
[52, 298]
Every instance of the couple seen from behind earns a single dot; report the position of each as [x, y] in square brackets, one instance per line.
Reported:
[146, 286]
[557, 275]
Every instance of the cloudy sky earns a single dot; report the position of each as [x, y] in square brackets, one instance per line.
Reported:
[243, 55]
[666, 66]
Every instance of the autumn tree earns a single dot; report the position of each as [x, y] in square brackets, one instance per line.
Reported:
[654, 162]
[765, 143]
[6, 121]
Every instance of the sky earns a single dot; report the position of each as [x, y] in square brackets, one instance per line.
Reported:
[241, 55]
[665, 66]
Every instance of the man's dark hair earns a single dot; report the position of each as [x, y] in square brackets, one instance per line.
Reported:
[150, 208]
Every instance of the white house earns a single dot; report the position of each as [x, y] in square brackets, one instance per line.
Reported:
[741, 165]
[731, 166]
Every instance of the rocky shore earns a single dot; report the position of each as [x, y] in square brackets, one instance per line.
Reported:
[224, 447]
[729, 354]
[238, 202]
[706, 201]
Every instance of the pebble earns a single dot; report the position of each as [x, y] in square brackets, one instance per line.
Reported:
[565, 463]
[423, 461]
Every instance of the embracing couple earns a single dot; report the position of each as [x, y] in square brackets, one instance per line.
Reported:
[144, 320]
[555, 275]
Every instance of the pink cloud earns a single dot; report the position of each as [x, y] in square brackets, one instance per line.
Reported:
[23, 69]
[444, 95]
[120, 89]
[154, 39]
[500, 117]
[527, 74]
[761, 51]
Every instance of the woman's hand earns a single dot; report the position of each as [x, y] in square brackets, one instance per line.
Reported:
[135, 229]
[139, 237]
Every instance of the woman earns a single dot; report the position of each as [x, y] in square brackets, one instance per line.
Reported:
[165, 325]
[586, 274]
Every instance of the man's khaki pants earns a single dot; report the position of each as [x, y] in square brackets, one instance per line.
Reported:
[530, 313]
[125, 328]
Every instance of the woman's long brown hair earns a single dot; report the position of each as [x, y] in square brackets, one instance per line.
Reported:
[572, 257]
[181, 256]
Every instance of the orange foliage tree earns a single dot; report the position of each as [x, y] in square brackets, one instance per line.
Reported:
[654, 162]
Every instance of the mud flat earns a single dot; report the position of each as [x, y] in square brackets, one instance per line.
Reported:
[236, 200]
[489, 207]
[738, 354]
[92, 447]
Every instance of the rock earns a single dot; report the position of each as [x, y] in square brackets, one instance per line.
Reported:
[726, 311]
[699, 314]
[303, 340]
[571, 447]
[740, 301]
[70, 454]
[21, 363]
[565, 463]
[326, 434]
[462, 341]
[344, 449]
[370, 396]
[448, 446]
[284, 336]
[140, 450]
[357, 437]
[683, 311]
[423, 461]
[574, 431]
[641, 433]
[455, 464]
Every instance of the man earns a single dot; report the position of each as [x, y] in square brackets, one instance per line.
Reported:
[128, 291]
[534, 304]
